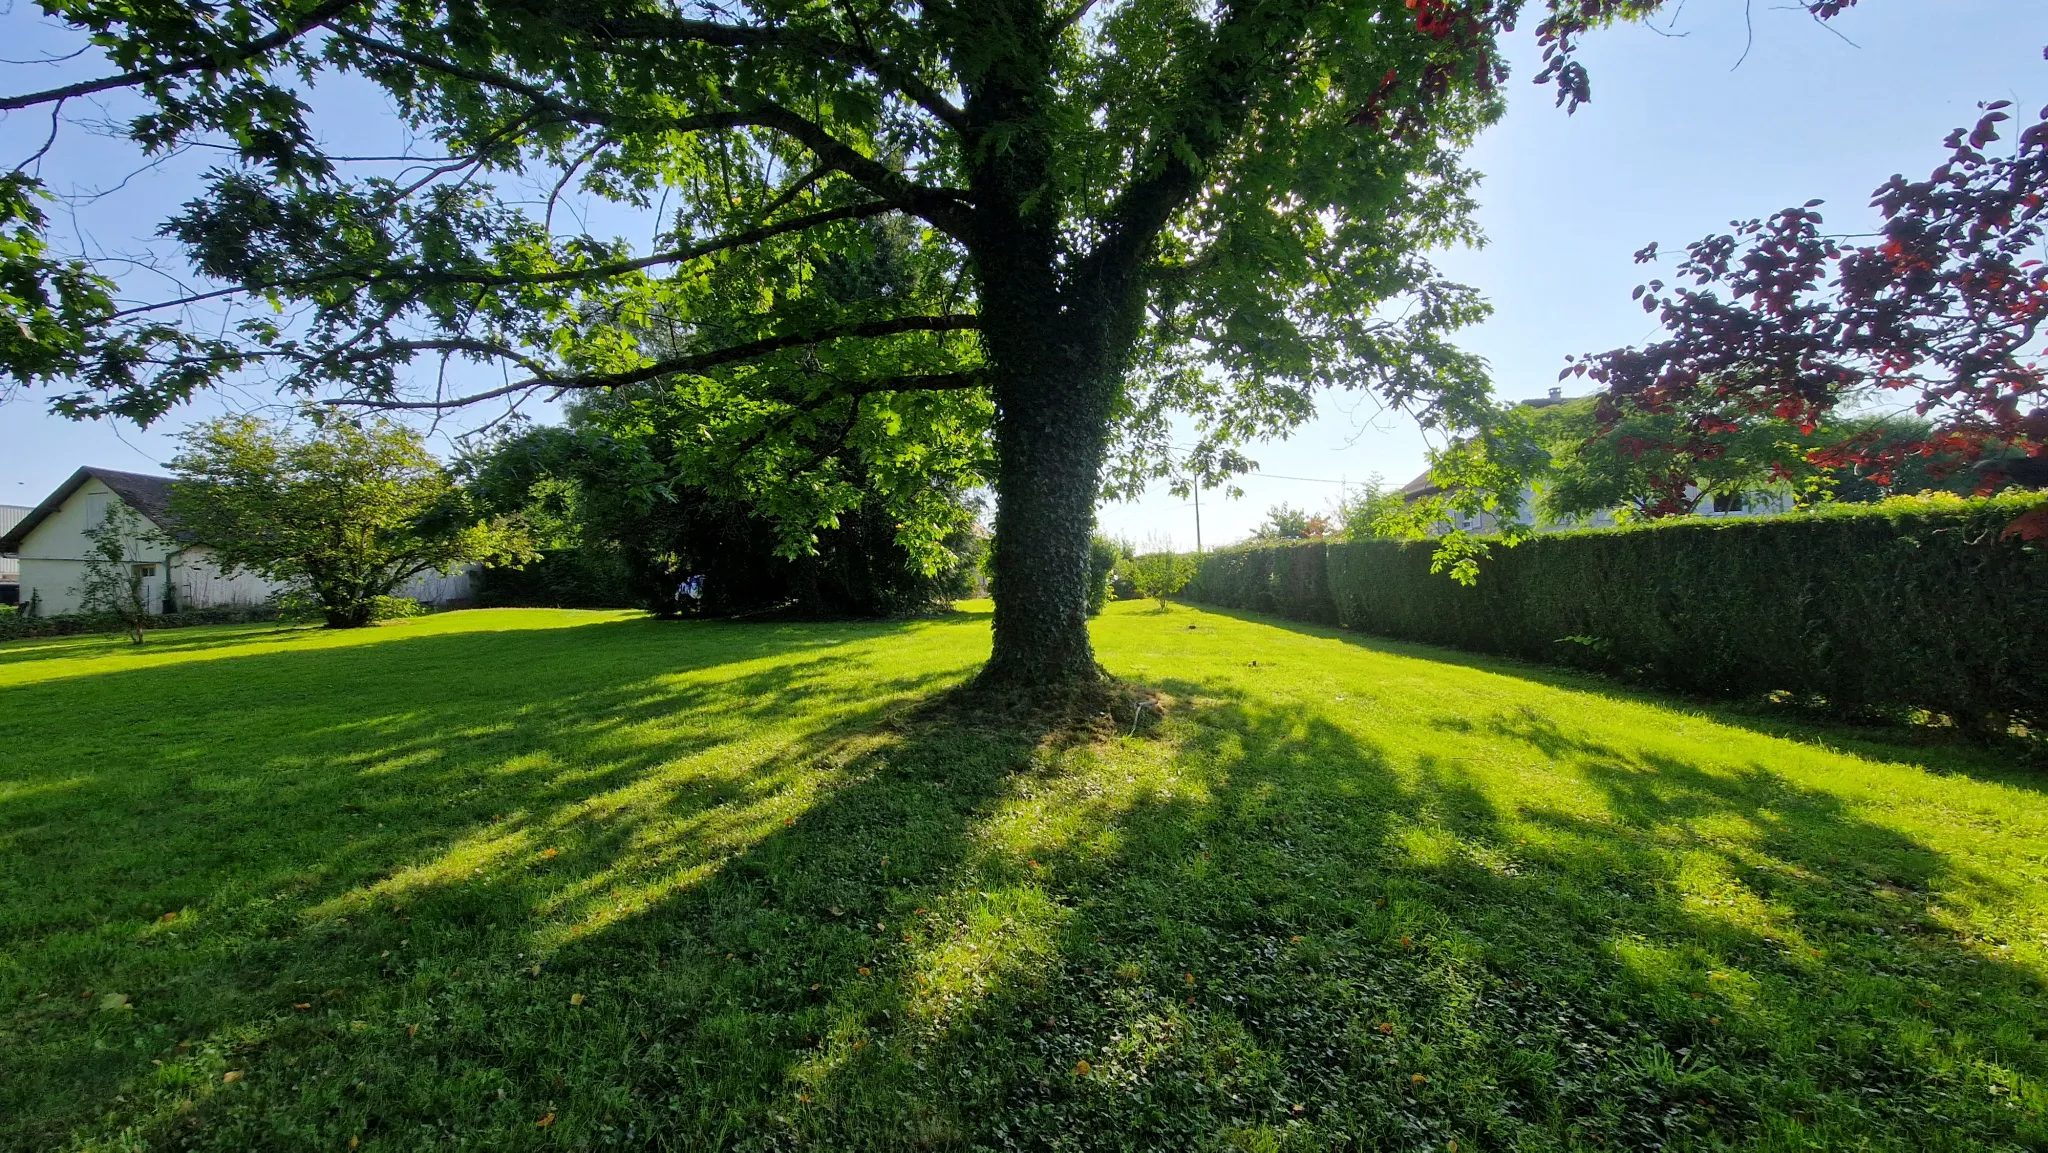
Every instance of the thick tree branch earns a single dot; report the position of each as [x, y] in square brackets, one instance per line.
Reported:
[219, 60]
[692, 362]
[943, 207]
[1238, 57]
[438, 277]
[662, 27]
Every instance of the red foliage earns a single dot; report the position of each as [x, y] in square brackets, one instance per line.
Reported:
[1779, 319]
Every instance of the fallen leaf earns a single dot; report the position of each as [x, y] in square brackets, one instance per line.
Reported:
[575, 998]
[412, 1030]
[1713, 1020]
[1190, 978]
[546, 1119]
[863, 970]
[167, 918]
[354, 1141]
[1386, 1026]
[1407, 941]
[550, 853]
[1417, 1079]
[231, 1076]
[114, 1001]
[1082, 1068]
[302, 1005]
[533, 972]
[1296, 940]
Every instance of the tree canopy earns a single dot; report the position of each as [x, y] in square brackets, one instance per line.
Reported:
[345, 513]
[1781, 321]
[1119, 214]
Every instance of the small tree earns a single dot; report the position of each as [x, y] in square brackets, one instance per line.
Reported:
[1374, 512]
[345, 513]
[115, 568]
[1160, 575]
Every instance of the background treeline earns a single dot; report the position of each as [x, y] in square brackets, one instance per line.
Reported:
[1911, 603]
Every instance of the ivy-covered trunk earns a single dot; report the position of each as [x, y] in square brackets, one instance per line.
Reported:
[1054, 381]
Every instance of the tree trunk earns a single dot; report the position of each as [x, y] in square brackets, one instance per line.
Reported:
[1053, 388]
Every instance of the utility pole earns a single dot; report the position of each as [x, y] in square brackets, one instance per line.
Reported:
[1198, 517]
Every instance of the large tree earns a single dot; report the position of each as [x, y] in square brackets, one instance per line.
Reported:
[1130, 210]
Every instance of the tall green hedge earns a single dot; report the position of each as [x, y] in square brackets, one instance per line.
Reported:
[1916, 603]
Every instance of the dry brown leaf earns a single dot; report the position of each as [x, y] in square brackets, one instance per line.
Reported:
[231, 1076]
[546, 1120]
[575, 998]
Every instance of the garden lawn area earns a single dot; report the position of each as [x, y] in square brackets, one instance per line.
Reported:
[515, 879]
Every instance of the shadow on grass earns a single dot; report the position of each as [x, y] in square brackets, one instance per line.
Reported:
[704, 887]
[2022, 764]
[1298, 944]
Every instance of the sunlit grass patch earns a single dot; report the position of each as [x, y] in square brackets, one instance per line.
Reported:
[698, 885]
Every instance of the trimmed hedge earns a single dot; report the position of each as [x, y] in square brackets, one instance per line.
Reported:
[1911, 603]
[15, 626]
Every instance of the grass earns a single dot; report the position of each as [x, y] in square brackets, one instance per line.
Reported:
[536, 879]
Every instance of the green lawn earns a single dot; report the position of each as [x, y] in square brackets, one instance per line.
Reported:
[533, 879]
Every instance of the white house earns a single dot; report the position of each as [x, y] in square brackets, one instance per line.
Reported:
[50, 546]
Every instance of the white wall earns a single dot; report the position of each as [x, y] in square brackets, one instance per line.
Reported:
[53, 565]
[53, 556]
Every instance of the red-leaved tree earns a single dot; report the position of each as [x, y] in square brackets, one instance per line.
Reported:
[1943, 308]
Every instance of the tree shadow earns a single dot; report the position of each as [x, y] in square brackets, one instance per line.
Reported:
[251, 851]
[662, 886]
[1943, 751]
[1294, 941]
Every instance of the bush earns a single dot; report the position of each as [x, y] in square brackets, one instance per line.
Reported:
[1913, 603]
[21, 625]
[395, 608]
[1104, 554]
[1160, 575]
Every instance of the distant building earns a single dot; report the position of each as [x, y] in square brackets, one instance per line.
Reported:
[48, 546]
[1719, 506]
[10, 569]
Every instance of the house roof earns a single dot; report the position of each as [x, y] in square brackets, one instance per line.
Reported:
[1421, 485]
[148, 495]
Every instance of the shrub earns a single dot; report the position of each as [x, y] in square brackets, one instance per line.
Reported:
[1161, 574]
[21, 625]
[389, 608]
[1104, 554]
[1915, 602]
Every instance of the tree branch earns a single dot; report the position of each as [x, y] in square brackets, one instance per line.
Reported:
[655, 26]
[698, 362]
[220, 61]
[424, 276]
[1209, 118]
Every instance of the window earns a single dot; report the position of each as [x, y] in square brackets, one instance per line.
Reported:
[145, 570]
[1727, 502]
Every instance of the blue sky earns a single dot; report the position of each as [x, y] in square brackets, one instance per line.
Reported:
[1718, 118]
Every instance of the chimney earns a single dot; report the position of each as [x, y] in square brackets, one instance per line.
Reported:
[1557, 394]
